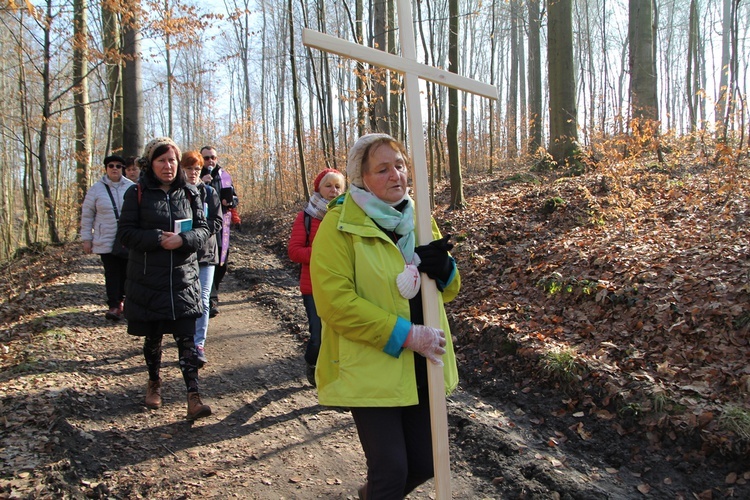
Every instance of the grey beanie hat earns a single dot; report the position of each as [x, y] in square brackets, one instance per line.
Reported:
[148, 152]
[356, 156]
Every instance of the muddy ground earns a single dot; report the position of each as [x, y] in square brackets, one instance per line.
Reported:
[74, 426]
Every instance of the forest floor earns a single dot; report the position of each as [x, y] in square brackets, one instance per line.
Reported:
[601, 332]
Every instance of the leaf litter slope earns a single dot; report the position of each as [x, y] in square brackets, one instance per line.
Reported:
[72, 383]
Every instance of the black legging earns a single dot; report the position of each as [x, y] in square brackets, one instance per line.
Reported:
[397, 442]
[187, 354]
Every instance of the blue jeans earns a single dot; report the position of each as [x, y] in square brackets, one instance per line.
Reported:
[313, 320]
[201, 324]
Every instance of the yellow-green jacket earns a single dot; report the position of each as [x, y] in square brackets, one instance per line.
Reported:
[365, 319]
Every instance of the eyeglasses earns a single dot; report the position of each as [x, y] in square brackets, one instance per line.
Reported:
[206, 158]
[115, 165]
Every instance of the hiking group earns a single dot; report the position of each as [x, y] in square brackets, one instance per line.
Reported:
[360, 277]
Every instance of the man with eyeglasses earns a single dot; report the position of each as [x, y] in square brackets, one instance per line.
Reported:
[221, 181]
[99, 215]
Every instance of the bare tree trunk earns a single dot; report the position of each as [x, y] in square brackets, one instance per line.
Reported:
[379, 116]
[691, 75]
[31, 221]
[512, 140]
[733, 77]
[81, 98]
[643, 99]
[295, 99]
[132, 95]
[562, 88]
[535, 78]
[605, 69]
[111, 41]
[493, 54]
[721, 102]
[430, 110]
[326, 96]
[44, 128]
[361, 80]
[6, 174]
[523, 105]
[170, 76]
[394, 81]
[457, 189]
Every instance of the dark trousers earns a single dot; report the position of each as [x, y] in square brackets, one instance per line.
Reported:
[219, 273]
[115, 270]
[313, 320]
[398, 447]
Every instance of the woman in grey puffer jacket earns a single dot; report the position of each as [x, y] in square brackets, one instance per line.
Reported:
[163, 290]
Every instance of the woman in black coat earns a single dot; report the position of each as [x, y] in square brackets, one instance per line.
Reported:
[162, 289]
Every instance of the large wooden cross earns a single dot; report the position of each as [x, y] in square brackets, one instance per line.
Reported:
[412, 71]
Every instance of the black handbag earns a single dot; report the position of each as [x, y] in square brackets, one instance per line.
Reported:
[118, 249]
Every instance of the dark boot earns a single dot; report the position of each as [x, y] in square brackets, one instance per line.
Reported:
[153, 394]
[362, 492]
[213, 307]
[113, 314]
[196, 409]
[310, 372]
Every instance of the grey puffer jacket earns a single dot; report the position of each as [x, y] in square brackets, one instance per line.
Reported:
[98, 222]
[162, 284]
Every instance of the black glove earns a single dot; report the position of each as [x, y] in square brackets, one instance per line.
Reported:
[436, 263]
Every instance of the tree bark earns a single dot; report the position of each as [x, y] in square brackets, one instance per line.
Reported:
[512, 121]
[49, 205]
[454, 160]
[379, 108]
[81, 98]
[643, 100]
[132, 95]
[111, 40]
[535, 78]
[562, 86]
[295, 99]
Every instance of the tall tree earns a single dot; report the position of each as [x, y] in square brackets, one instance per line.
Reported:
[379, 108]
[81, 97]
[112, 43]
[513, 83]
[642, 64]
[563, 113]
[726, 31]
[47, 101]
[454, 154]
[133, 125]
[692, 76]
[535, 77]
[295, 98]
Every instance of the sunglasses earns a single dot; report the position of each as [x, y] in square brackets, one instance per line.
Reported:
[115, 165]
[206, 158]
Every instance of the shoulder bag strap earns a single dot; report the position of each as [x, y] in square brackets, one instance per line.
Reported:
[114, 205]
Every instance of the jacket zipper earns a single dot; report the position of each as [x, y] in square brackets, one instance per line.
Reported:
[171, 261]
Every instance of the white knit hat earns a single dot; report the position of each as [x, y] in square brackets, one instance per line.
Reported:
[148, 151]
[356, 156]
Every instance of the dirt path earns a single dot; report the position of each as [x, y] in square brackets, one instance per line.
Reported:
[75, 427]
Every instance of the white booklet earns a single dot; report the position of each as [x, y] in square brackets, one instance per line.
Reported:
[183, 225]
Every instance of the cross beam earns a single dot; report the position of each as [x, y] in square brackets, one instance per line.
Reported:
[358, 52]
[412, 71]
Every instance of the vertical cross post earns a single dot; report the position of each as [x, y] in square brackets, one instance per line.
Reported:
[412, 71]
